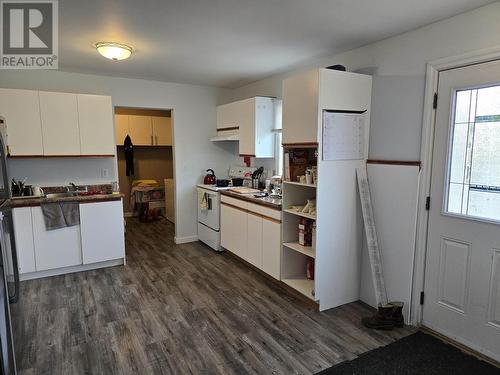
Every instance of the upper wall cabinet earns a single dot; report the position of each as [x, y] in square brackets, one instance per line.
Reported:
[253, 119]
[304, 94]
[162, 131]
[300, 107]
[122, 128]
[95, 118]
[21, 109]
[59, 114]
[41, 123]
[143, 130]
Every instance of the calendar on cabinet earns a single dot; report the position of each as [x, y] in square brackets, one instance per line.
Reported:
[343, 136]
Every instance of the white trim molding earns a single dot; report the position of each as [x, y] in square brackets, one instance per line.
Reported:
[431, 86]
[181, 240]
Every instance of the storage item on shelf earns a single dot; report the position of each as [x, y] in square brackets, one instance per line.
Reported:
[310, 269]
[305, 231]
[313, 236]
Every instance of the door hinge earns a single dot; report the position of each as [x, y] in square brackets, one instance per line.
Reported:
[435, 102]
[422, 298]
[428, 203]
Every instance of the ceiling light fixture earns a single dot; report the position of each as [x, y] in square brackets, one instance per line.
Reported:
[114, 51]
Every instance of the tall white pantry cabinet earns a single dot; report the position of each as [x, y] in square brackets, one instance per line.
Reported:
[339, 227]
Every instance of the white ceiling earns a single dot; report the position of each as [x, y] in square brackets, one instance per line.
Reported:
[229, 43]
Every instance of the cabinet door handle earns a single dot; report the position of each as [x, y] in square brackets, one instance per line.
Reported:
[152, 140]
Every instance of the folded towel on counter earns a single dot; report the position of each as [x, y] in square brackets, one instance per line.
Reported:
[60, 215]
[203, 199]
[71, 213]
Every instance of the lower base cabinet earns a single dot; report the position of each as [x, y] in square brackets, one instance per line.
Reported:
[102, 231]
[253, 237]
[55, 248]
[98, 238]
[271, 248]
[254, 240]
[233, 229]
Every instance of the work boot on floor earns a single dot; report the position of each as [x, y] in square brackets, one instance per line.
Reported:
[397, 313]
[382, 319]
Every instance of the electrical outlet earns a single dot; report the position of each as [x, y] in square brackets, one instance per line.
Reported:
[104, 172]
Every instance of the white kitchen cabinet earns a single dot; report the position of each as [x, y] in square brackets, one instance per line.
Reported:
[300, 108]
[162, 131]
[59, 115]
[102, 231]
[234, 230]
[226, 227]
[254, 240]
[271, 247]
[254, 119]
[55, 248]
[228, 115]
[141, 130]
[21, 109]
[23, 233]
[122, 128]
[95, 119]
[253, 232]
[256, 127]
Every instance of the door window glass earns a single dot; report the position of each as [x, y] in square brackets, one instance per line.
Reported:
[473, 186]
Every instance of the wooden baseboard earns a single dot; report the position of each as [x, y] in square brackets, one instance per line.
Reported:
[288, 289]
[460, 346]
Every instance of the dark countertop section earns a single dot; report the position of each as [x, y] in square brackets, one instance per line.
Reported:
[268, 202]
[33, 202]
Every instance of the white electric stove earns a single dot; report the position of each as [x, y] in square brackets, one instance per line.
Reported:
[209, 217]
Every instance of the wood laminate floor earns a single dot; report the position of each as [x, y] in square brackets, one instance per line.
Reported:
[179, 309]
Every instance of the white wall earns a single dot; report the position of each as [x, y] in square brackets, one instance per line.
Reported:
[194, 123]
[398, 65]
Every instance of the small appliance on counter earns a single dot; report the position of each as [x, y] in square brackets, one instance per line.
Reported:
[210, 178]
[222, 183]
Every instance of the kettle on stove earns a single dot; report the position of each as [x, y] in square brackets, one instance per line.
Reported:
[210, 178]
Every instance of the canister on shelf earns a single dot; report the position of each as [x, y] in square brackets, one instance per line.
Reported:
[305, 232]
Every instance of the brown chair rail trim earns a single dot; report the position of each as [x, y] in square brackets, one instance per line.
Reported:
[301, 144]
[413, 163]
[252, 212]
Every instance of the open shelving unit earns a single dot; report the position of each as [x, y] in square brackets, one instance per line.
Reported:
[338, 220]
[300, 184]
[302, 214]
[295, 257]
[306, 250]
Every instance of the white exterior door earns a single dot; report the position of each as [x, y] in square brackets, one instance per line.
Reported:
[462, 283]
